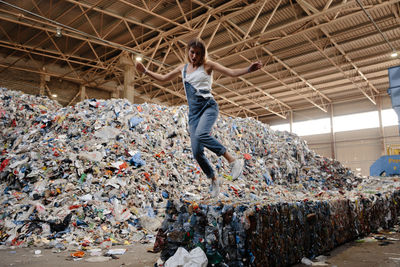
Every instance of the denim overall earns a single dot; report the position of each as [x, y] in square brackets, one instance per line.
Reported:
[203, 113]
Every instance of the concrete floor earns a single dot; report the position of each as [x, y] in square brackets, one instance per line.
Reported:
[135, 256]
[368, 253]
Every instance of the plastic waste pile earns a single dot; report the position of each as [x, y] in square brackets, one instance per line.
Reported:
[108, 172]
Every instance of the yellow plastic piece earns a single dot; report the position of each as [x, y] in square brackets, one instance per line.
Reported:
[393, 149]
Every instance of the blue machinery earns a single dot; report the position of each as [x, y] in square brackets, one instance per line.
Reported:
[389, 165]
[394, 89]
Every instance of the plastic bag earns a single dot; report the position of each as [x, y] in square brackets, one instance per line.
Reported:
[107, 133]
[196, 258]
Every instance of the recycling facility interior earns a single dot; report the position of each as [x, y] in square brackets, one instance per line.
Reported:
[349, 41]
[356, 149]
[322, 59]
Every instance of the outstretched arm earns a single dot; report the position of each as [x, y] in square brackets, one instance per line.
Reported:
[159, 77]
[234, 72]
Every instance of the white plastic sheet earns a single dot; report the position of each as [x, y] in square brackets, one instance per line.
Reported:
[182, 258]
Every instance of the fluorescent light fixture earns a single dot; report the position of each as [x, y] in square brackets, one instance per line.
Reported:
[138, 58]
[394, 54]
[54, 95]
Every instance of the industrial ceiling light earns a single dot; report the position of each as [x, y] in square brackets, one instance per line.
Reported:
[58, 32]
[394, 54]
[139, 58]
[54, 95]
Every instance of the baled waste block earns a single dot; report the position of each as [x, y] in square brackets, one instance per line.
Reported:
[274, 234]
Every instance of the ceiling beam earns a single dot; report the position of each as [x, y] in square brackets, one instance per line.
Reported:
[370, 94]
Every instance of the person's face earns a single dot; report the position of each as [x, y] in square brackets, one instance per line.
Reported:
[195, 55]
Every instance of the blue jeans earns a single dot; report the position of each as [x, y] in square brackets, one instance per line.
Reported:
[203, 113]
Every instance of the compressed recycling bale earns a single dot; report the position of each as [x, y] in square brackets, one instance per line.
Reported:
[276, 234]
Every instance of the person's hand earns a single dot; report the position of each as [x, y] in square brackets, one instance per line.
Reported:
[140, 67]
[255, 66]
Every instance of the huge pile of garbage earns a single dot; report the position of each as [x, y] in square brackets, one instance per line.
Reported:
[104, 170]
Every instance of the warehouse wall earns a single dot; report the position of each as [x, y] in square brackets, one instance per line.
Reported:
[29, 83]
[355, 149]
[20, 81]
